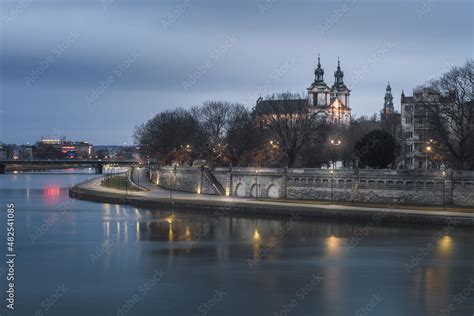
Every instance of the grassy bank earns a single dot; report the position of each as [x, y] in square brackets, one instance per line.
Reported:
[119, 182]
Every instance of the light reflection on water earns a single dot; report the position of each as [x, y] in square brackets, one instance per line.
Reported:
[102, 252]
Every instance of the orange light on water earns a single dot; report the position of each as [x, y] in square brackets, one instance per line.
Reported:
[333, 246]
[445, 245]
[256, 234]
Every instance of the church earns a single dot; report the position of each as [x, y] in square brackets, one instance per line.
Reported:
[330, 103]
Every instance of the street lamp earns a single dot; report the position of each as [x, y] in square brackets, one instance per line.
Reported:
[334, 142]
[332, 186]
[444, 190]
[427, 151]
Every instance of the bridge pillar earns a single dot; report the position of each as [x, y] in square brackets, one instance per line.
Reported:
[2, 169]
[99, 169]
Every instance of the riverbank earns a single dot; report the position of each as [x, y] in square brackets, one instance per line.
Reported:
[157, 197]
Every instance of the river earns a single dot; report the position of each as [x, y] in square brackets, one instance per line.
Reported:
[81, 258]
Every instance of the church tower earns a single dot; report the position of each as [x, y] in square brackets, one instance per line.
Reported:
[339, 110]
[388, 103]
[339, 90]
[391, 120]
[319, 92]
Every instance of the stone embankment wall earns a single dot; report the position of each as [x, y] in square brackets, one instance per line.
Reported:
[181, 179]
[378, 186]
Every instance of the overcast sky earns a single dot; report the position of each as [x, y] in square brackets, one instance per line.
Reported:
[94, 69]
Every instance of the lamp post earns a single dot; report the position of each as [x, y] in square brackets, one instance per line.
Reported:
[334, 143]
[427, 151]
[332, 186]
[444, 190]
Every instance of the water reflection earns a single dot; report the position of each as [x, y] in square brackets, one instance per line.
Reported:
[203, 251]
[188, 233]
[256, 234]
[51, 194]
[445, 246]
[334, 246]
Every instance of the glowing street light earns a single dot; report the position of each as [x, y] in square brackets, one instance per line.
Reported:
[444, 189]
[428, 150]
[334, 142]
[332, 186]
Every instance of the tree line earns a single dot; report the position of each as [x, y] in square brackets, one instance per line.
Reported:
[277, 134]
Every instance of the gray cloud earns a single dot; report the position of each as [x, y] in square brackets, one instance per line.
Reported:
[166, 56]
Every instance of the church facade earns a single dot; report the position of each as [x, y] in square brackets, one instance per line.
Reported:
[329, 103]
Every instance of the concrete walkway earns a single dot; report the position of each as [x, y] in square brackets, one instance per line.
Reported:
[157, 196]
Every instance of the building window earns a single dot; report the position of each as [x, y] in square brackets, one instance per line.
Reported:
[408, 120]
[409, 134]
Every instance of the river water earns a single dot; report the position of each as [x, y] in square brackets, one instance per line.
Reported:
[81, 258]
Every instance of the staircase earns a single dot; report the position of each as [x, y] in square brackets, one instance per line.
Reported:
[215, 185]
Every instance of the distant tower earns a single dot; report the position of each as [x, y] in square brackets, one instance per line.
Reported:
[388, 109]
[318, 92]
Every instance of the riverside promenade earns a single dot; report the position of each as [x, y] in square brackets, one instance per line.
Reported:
[155, 196]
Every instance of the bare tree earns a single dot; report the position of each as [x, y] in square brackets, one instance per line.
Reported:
[165, 135]
[216, 119]
[243, 136]
[291, 122]
[213, 116]
[451, 114]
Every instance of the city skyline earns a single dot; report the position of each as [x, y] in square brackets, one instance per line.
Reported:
[94, 70]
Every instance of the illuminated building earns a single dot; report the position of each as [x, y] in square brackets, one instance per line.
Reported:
[329, 103]
[60, 148]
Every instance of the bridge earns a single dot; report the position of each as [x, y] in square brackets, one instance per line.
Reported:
[98, 164]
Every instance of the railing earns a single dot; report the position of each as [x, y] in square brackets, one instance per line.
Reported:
[216, 186]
